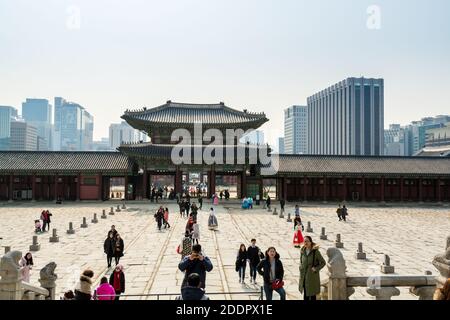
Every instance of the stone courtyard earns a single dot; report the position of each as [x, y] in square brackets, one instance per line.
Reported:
[411, 236]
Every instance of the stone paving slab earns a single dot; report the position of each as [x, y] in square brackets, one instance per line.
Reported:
[410, 236]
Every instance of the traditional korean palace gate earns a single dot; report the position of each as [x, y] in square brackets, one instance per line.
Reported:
[27, 175]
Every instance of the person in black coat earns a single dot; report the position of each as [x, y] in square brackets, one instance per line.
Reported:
[159, 216]
[254, 256]
[282, 203]
[187, 206]
[108, 248]
[241, 262]
[268, 201]
[272, 271]
[118, 248]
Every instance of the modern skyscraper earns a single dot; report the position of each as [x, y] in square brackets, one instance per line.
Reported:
[395, 141]
[24, 137]
[59, 102]
[281, 145]
[296, 130]
[347, 118]
[38, 113]
[123, 133]
[74, 126]
[7, 114]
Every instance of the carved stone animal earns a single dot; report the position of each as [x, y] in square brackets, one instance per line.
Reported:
[9, 265]
[48, 272]
[336, 263]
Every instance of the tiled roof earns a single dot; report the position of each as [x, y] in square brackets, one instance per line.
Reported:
[186, 113]
[443, 151]
[40, 161]
[165, 150]
[361, 165]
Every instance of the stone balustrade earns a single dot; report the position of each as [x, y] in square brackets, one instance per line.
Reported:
[340, 286]
[13, 288]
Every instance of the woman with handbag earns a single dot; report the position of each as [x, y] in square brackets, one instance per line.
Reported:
[241, 262]
[311, 262]
[272, 271]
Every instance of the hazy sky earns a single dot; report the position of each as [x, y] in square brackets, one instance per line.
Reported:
[254, 54]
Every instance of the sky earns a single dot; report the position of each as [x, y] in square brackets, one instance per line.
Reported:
[260, 55]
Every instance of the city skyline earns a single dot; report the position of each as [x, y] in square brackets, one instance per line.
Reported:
[111, 61]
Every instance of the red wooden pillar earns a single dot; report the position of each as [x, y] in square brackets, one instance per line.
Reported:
[305, 184]
[345, 189]
[126, 186]
[178, 181]
[420, 189]
[100, 186]
[213, 181]
[56, 187]
[324, 189]
[439, 197]
[363, 187]
[382, 189]
[401, 188]
[243, 184]
[11, 187]
[33, 187]
[145, 184]
[78, 186]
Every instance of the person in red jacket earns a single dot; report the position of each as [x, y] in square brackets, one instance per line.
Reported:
[117, 280]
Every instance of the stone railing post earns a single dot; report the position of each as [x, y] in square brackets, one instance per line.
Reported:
[337, 277]
[111, 212]
[10, 280]
[103, 216]
[442, 263]
[383, 293]
[48, 279]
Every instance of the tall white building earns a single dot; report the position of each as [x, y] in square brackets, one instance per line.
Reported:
[7, 114]
[123, 133]
[296, 130]
[38, 113]
[281, 149]
[347, 118]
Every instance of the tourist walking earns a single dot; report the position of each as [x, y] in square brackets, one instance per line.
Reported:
[187, 207]
[254, 256]
[159, 217]
[194, 211]
[26, 264]
[311, 262]
[44, 220]
[118, 248]
[113, 230]
[272, 271]
[166, 218]
[241, 262]
[339, 212]
[185, 248]
[268, 202]
[215, 199]
[298, 222]
[83, 288]
[297, 210]
[200, 201]
[190, 224]
[212, 220]
[282, 204]
[104, 291]
[195, 233]
[37, 226]
[196, 262]
[193, 291]
[108, 248]
[344, 213]
[298, 236]
[47, 219]
[117, 280]
[182, 207]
